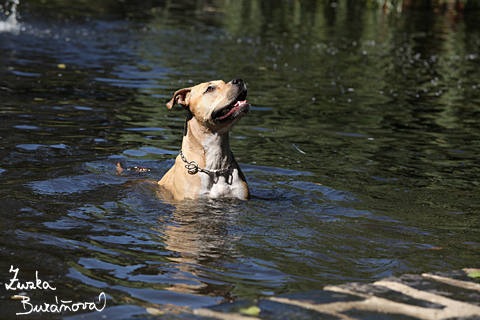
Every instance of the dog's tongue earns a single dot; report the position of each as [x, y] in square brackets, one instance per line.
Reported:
[236, 106]
[240, 102]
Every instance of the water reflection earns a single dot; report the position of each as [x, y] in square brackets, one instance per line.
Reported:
[196, 233]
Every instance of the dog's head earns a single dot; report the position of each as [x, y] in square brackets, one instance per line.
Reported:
[215, 104]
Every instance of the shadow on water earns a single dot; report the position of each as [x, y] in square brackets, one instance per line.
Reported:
[360, 149]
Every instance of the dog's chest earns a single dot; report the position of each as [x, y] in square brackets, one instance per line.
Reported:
[227, 185]
[224, 186]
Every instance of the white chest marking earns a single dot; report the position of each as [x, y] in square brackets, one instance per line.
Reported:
[228, 185]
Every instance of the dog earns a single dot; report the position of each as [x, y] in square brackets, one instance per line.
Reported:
[205, 166]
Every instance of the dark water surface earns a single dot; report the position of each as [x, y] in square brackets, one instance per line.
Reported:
[361, 149]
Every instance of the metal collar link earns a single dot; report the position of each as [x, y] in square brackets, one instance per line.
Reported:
[193, 167]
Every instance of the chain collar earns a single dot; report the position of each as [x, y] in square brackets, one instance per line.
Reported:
[193, 167]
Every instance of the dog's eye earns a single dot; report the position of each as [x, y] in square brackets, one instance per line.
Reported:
[209, 89]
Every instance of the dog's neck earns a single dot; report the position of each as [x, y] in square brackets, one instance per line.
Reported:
[210, 150]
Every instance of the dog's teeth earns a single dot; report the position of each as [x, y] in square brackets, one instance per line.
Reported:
[240, 102]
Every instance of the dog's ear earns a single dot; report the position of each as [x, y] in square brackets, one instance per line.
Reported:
[180, 97]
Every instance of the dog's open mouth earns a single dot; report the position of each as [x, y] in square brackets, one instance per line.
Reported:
[240, 107]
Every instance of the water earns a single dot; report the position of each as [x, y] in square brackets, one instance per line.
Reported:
[360, 149]
[9, 23]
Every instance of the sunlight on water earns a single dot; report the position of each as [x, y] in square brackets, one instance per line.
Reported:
[10, 24]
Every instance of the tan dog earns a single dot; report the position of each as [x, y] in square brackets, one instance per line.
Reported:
[205, 166]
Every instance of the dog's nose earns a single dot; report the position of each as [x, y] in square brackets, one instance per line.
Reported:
[237, 81]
